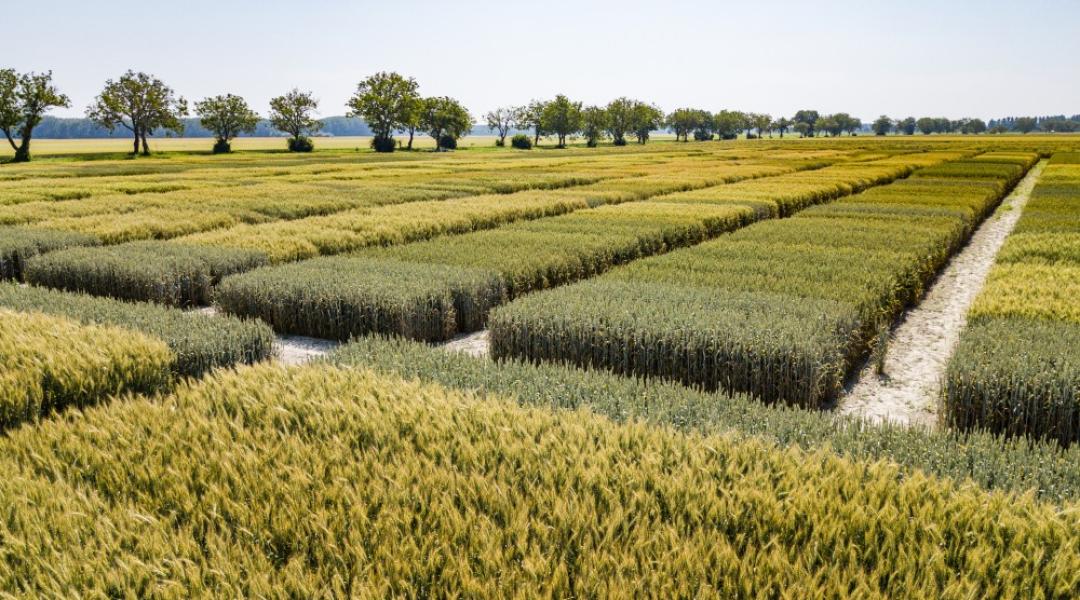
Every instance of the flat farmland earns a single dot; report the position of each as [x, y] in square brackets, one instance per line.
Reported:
[665, 335]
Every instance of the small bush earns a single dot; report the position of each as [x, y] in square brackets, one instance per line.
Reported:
[383, 144]
[619, 142]
[500, 142]
[521, 142]
[223, 147]
[301, 144]
[448, 142]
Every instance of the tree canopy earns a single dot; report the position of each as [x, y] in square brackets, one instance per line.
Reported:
[24, 100]
[385, 101]
[140, 103]
[442, 117]
[502, 120]
[293, 113]
[562, 118]
[226, 116]
[593, 124]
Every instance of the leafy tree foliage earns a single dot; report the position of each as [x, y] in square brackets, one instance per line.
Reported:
[140, 103]
[682, 121]
[444, 119]
[386, 101]
[293, 113]
[620, 119]
[782, 125]
[502, 120]
[24, 99]
[806, 122]
[728, 123]
[1025, 124]
[882, 125]
[645, 118]
[974, 126]
[926, 125]
[907, 126]
[226, 116]
[531, 116]
[594, 122]
[763, 123]
[562, 118]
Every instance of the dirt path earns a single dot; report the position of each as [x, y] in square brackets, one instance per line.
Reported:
[921, 344]
[474, 344]
[299, 349]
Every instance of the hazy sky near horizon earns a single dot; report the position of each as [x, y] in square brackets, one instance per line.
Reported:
[942, 58]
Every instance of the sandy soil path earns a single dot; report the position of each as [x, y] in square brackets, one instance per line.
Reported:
[908, 390]
[299, 349]
[474, 344]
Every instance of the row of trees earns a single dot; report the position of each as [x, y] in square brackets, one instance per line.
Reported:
[883, 125]
[562, 118]
[387, 102]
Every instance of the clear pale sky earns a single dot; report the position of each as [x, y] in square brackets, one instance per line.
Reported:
[942, 58]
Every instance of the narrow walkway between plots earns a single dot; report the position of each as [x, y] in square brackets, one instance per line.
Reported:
[908, 390]
[477, 343]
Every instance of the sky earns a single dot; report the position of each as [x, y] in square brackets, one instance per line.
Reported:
[946, 58]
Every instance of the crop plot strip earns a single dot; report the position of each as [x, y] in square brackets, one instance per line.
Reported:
[1016, 369]
[782, 309]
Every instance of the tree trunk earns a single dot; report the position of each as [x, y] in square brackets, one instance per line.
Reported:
[145, 146]
[135, 150]
[22, 153]
[411, 131]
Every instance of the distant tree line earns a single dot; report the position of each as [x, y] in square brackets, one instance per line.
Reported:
[139, 105]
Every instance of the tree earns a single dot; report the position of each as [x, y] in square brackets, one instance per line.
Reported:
[594, 122]
[830, 124]
[645, 118]
[974, 126]
[412, 112]
[531, 116]
[620, 113]
[444, 117]
[782, 124]
[502, 120]
[926, 125]
[703, 130]
[848, 123]
[140, 103]
[682, 121]
[562, 118]
[763, 124]
[882, 125]
[907, 126]
[386, 102]
[293, 114]
[1025, 124]
[24, 100]
[727, 124]
[808, 119]
[226, 116]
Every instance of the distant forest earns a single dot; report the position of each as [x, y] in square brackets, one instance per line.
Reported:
[71, 128]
